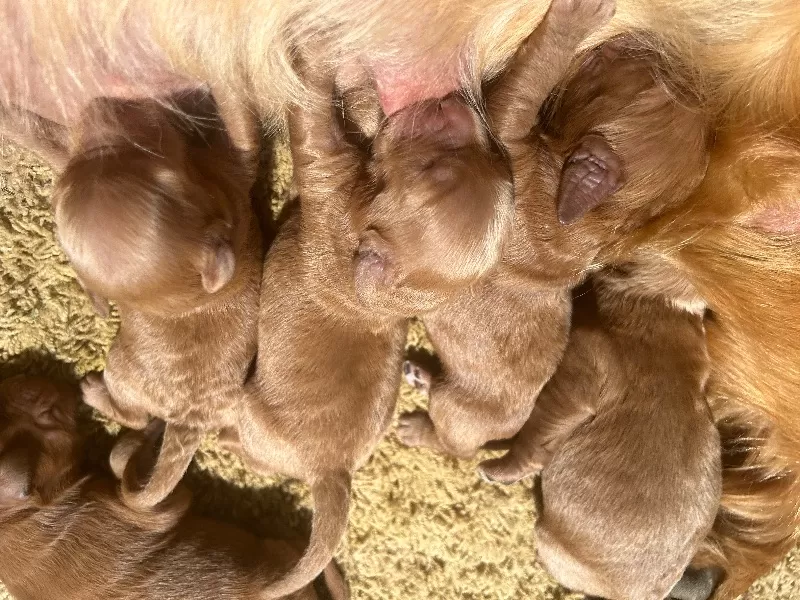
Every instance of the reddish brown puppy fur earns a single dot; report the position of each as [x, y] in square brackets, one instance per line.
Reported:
[443, 212]
[623, 436]
[615, 122]
[154, 214]
[65, 535]
[327, 371]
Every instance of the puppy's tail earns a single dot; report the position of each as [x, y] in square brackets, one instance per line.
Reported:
[335, 582]
[177, 450]
[331, 495]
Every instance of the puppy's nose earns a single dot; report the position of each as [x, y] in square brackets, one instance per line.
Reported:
[696, 584]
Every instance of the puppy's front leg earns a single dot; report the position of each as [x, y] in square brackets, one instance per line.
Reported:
[96, 394]
[513, 102]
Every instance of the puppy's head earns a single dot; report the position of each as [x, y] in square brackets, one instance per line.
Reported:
[39, 444]
[442, 213]
[140, 220]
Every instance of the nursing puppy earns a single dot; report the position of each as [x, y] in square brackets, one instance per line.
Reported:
[154, 214]
[586, 177]
[624, 439]
[444, 207]
[444, 210]
[66, 535]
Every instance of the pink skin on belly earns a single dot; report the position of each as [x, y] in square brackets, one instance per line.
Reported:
[400, 87]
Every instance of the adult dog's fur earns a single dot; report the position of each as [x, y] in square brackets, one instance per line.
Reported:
[624, 439]
[745, 64]
[67, 536]
[155, 215]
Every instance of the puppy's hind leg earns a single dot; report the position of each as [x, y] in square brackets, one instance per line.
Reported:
[552, 421]
[458, 423]
[416, 430]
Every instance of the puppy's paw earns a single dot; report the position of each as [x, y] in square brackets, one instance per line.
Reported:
[505, 470]
[417, 377]
[96, 394]
[415, 429]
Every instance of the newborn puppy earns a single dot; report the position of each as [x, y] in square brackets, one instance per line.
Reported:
[153, 212]
[444, 210]
[65, 535]
[629, 454]
[326, 375]
[615, 150]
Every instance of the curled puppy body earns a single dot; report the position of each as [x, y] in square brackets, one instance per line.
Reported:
[631, 152]
[154, 213]
[65, 534]
[624, 439]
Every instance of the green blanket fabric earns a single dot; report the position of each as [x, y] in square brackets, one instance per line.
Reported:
[421, 527]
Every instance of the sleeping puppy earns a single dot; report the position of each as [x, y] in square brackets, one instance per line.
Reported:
[624, 439]
[66, 535]
[614, 150]
[328, 364]
[154, 213]
[444, 211]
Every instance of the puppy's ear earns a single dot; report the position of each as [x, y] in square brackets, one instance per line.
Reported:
[591, 174]
[16, 474]
[218, 261]
[373, 262]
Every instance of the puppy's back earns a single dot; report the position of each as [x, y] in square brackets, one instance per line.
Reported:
[630, 494]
